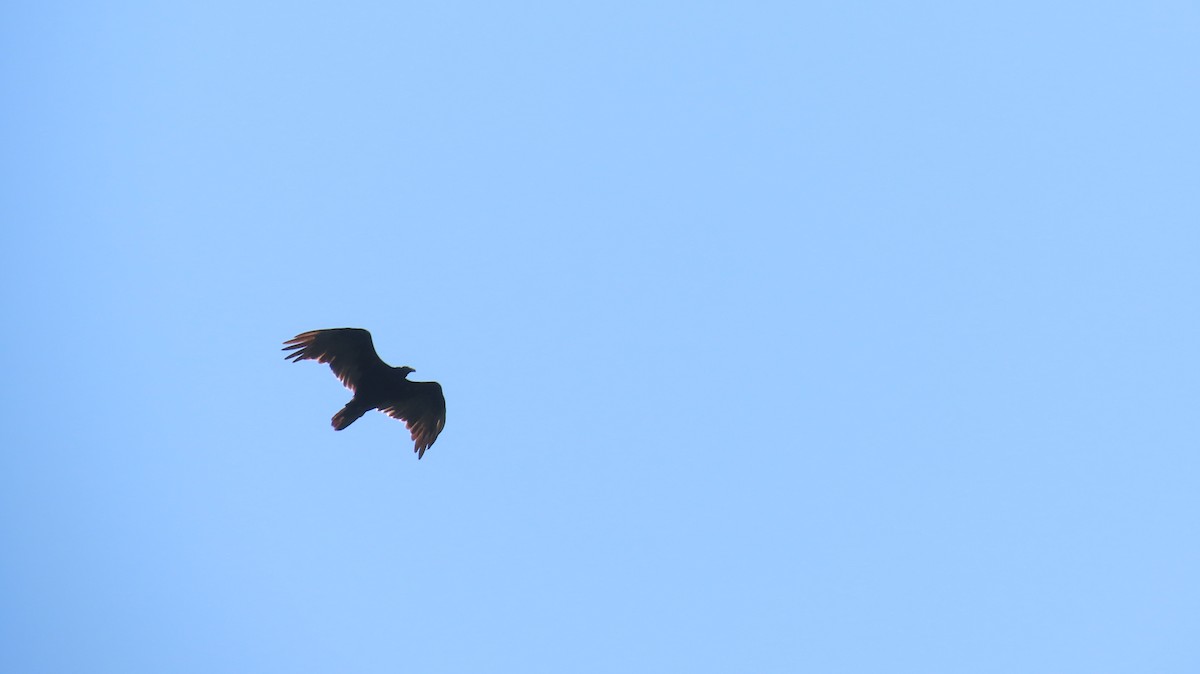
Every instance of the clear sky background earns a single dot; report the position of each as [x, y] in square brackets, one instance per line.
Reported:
[776, 337]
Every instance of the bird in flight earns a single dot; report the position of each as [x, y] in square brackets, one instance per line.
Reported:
[376, 385]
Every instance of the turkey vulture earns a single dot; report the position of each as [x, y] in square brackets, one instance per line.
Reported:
[376, 385]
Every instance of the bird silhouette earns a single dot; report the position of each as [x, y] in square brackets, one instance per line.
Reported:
[376, 385]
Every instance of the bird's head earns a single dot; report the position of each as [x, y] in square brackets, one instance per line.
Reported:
[405, 370]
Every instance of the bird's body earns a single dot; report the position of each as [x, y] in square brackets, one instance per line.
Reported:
[376, 385]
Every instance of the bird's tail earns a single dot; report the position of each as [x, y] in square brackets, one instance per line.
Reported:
[348, 415]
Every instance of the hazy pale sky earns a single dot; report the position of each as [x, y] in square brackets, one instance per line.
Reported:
[776, 337]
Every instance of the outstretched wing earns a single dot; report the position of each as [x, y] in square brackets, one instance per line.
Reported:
[349, 352]
[423, 410]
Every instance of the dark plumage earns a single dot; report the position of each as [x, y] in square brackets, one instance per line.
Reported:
[376, 385]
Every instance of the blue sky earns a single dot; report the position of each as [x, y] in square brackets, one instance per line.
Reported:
[829, 337]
